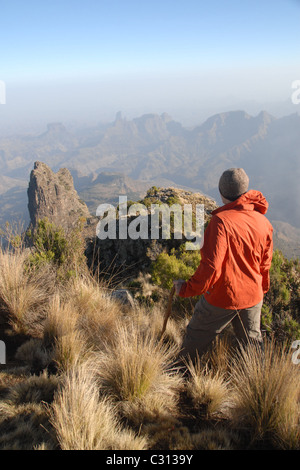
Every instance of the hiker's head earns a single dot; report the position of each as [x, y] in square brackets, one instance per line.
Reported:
[233, 183]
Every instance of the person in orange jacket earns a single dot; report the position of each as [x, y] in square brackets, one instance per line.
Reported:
[233, 274]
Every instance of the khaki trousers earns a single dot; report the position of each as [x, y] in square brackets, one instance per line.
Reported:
[208, 321]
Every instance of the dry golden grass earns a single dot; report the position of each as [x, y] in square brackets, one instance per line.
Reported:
[61, 335]
[267, 394]
[112, 367]
[34, 354]
[137, 372]
[220, 356]
[24, 292]
[136, 364]
[98, 313]
[61, 319]
[11, 376]
[152, 319]
[82, 320]
[25, 427]
[24, 422]
[84, 421]
[69, 350]
[209, 391]
[36, 389]
[215, 439]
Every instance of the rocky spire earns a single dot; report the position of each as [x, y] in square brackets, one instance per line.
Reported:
[52, 195]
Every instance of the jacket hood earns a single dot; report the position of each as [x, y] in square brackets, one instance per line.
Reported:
[250, 201]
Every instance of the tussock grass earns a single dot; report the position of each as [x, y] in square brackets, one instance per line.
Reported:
[79, 322]
[215, 439]
[24, 427]
[61, 320]
[35, 389]
[70, 349]
[84, 421]
[105, 379]
[220, 357]
[34, 353]
[176, 437]
[267, 394]
[61, 336]
[11, 376]
[209, 391]
[98, 313]
[169, 435]
[24, 421]
[138, 374]
[24, 292]
[136, 365]
[151, 319]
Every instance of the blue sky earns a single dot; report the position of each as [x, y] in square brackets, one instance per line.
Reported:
[132, 55]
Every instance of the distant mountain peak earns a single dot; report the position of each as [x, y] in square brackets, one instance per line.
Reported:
[57, 134]
[226, 117]
[119, 116]
[166, 117]
[54, 127]
[265, 117]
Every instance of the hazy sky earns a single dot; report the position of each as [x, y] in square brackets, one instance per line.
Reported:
[88, 59]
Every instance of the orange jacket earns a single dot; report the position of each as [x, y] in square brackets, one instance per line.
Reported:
[236, 255]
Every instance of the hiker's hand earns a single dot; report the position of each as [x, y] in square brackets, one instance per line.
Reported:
[177, 285]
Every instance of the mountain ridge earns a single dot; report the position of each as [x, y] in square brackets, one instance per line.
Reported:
[154, 148]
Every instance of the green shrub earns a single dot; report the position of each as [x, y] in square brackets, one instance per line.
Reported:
[266, 318]
[176, 265]
[173, 200]
[152, 191]
[291, 328]
[52, 245]
[280, 311]
[281, 303]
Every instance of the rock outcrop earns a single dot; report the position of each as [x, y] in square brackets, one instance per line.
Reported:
[126, 257]
[52, 195]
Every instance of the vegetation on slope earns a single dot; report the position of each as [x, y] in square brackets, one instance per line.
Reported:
[86, 371]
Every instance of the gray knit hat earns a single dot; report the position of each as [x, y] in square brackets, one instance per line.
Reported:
[233, 183]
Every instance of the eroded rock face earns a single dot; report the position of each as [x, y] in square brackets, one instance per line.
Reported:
[122, 257]
[52, 195]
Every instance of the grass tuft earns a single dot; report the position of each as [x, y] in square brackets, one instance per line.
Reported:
[266, 394]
